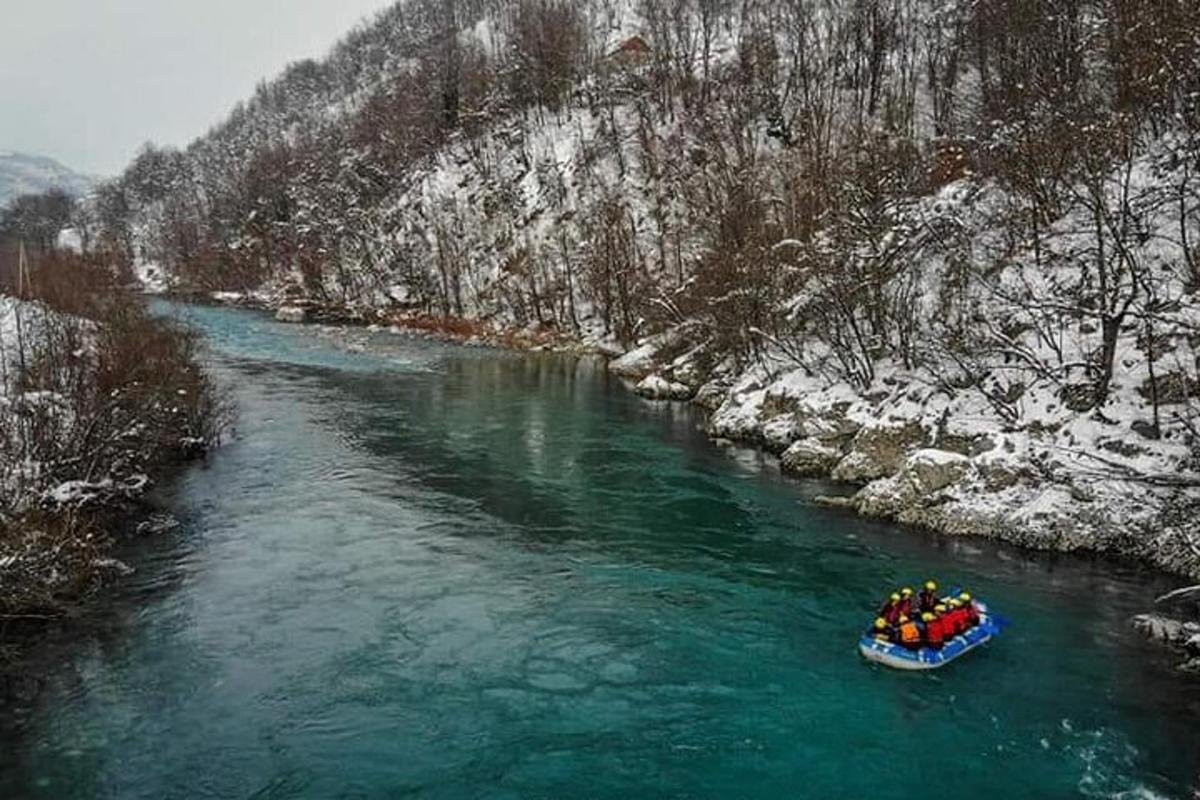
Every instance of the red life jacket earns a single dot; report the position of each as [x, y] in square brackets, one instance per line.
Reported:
[960, 621]
[935, 632]
[972, 615]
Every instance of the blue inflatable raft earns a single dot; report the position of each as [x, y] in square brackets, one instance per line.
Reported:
[899, 657]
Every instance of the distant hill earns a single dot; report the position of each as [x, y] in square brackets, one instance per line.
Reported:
[24, 174]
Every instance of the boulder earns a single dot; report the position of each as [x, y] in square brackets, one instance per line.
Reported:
[831, 426]
[292, 314]
[809, 458]
[878, 451]
[712, 395]
[637, 363]
[645, 359]
[779, 433]
[886, 498]
[1166, 630]
[656, 387]
[998, 475]
[738, 418]
[689, 369]
[930, 471]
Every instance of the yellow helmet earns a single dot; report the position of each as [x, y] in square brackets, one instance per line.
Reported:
[895, 597]
[965, 597]
[904, 618]
[955, 602]
[927, 617]
[940, 608]
[931, 586]
[907, 592]
[881, 623]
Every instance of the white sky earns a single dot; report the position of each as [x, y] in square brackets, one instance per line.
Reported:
[88, 81]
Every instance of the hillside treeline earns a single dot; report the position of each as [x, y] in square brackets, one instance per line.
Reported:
[766, 172]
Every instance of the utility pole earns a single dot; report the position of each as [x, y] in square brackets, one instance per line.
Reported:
[22, 277]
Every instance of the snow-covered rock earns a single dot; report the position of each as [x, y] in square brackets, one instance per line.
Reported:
[779, 433]
[1182, 636]
[810, 458]
[291, 314]
[877, 451]
[644, 359]
[929, 471]
[656, 387]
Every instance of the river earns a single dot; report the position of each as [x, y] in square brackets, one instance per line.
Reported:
[428, 571]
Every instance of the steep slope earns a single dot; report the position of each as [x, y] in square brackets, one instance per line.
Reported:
[29, 174]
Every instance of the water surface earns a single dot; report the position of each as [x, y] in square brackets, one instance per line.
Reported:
[433, 572]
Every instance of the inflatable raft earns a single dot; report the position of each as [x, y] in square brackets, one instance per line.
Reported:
[899, 657]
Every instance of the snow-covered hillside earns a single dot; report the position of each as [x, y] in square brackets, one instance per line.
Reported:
[29, 174]
[940, 250]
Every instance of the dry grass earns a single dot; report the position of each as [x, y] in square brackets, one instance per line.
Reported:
[110, 397]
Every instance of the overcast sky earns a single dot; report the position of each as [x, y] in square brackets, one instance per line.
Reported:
[88, 81]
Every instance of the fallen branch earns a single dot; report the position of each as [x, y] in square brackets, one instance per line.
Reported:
[1186, 593]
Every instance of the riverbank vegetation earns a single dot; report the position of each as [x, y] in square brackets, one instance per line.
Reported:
[97, 398]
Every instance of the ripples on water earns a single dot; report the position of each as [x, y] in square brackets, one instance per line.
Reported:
[428, 571]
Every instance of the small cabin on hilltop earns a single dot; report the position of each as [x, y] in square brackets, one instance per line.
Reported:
[633, 52]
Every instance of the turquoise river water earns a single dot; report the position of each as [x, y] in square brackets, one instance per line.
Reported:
[426, 571]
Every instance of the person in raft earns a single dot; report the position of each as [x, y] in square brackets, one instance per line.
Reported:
[900, 604]
[928, 599]
[891, 612]
[935, 630]
[971, 609]
[910, 634]
[897, 622]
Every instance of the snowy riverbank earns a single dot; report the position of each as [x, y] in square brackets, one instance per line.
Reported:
[919, 454]
[93, 408]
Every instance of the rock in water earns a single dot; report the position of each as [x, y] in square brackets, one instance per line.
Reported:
[293, 314]
[1173, 632]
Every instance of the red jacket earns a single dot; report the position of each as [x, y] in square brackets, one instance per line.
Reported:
[935, 632]
[890, 612]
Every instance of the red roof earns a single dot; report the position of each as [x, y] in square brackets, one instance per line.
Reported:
[635, 45]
